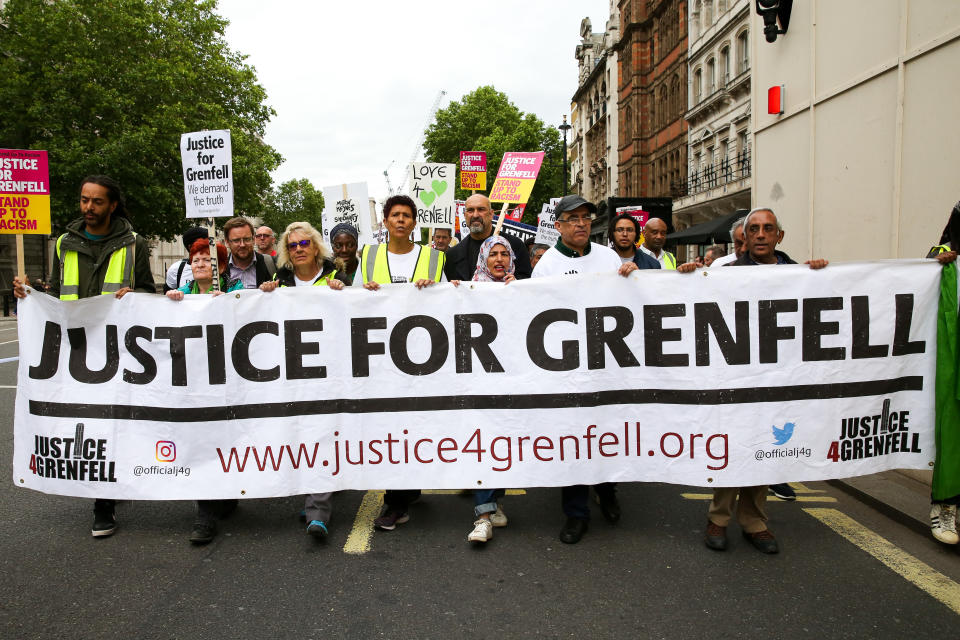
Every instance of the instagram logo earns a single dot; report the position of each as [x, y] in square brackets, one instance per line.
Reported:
[166, 451]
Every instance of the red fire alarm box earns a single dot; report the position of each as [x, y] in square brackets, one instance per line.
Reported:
[775, 99]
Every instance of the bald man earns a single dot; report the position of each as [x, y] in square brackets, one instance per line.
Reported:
[654, 237]
[462, 259]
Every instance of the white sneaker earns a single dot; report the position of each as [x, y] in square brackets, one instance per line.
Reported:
[482, 531]
[943, 523]
[498, 518]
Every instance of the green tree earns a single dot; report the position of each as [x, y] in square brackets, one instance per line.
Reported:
[486, 120]
[108, 86]
[293, 201]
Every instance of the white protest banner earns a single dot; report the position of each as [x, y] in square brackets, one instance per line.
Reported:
[207, 173]
[546, 229]
[347, 203]
[432, 189]
[723, 378]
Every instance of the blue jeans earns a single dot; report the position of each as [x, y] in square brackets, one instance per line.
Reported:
[485, 500]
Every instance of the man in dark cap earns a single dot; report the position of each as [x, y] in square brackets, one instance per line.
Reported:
[180, 273]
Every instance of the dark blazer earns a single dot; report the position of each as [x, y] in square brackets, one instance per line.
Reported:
[643, 261]
[746, 261]
[462, 259]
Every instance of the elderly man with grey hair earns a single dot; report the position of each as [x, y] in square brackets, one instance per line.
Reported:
[736, 234]
[761, 232]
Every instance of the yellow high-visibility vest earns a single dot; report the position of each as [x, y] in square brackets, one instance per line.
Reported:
[669, 260]
[119, 271]
[374, 267]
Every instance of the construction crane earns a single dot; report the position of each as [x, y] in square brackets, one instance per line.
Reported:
[416, 148]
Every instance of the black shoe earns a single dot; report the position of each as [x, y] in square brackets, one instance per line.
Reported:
[763, 541]
[609, 507]
[104, 522]
[204, 531]
[716, 537]
[573, 530]
[783, 491]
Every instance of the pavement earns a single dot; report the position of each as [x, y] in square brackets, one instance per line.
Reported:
[902, 495]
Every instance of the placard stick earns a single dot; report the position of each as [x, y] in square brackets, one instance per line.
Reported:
[503, 214]
[212, 235]
[21, 269]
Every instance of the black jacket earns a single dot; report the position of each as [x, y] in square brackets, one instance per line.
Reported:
[286, 278]
[462, 259]
[643, 261]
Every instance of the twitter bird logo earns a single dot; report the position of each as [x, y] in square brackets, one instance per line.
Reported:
[782, 436]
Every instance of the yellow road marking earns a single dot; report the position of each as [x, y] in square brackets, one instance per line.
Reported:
[709, 496]
[359, 539]
[919, 573]
[453, 492]
[799, 487]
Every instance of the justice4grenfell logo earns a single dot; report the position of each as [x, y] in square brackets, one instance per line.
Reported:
[781, 436]
[874, 435]
[72, 457]
[166, 453]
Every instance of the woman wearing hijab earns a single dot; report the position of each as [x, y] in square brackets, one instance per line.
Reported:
[496, 262]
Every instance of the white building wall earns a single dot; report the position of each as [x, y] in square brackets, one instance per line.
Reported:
[864, 162]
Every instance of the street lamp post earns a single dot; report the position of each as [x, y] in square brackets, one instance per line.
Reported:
[564, 127]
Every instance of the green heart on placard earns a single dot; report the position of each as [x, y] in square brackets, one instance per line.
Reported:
[428, 197]
[439, 186]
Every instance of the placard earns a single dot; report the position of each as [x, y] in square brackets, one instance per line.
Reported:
[207, 158]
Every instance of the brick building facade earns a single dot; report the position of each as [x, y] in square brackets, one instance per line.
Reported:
[652, 89]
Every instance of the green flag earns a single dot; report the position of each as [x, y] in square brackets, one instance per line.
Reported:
[946, 471]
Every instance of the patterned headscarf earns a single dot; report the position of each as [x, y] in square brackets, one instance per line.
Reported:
[482, 273]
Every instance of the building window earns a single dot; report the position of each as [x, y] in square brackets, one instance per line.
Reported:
[695, 20]
[711, 76]
[743, 51]
[724, 66]
[697, 86]
[707, 14]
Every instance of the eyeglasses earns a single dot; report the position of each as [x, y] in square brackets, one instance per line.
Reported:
[264, 235]
[292, 246]
[578, 220]
[247, 240]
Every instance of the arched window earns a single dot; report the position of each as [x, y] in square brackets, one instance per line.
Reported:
[678, 101]
[697, 86]
[743, 51]
[707, 14]
[724, 65]
[695, 20]
[711, 76]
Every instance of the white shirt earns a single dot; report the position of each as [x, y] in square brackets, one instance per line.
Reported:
[185, 277]
[600, 259]
[727, 259]
[305, 283]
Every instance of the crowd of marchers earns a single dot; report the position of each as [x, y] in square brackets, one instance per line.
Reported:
[101, 254]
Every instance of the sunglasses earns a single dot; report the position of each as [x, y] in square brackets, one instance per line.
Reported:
[292, 246]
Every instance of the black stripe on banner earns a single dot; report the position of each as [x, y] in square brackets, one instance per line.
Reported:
[461, 403]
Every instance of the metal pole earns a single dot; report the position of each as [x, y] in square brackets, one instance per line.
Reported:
[564, 127]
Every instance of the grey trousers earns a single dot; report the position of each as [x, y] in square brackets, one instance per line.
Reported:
[318, 507]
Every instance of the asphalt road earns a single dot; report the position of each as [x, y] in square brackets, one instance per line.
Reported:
[650, 576]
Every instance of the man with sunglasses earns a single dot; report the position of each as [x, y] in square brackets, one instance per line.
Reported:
[245, 264]
[265, 240]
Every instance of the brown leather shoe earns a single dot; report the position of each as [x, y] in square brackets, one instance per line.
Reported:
[716, 537]
[763, 541]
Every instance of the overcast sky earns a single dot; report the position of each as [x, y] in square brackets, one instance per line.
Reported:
[353, 82]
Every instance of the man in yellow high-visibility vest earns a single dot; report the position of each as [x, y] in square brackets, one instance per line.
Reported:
[99, 255]
[654, 237]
